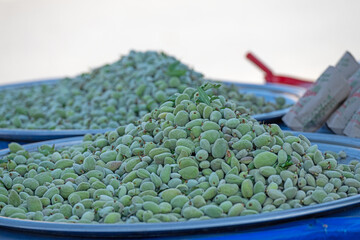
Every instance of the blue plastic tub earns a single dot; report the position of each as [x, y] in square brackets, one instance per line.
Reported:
[234, 226]
[316, 228]
[268, 91]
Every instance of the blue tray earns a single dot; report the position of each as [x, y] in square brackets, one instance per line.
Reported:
[268, 91]
[316, 228]
[240, 224]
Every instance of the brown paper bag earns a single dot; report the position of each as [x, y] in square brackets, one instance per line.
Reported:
[339, 119]
[354, 81]
[347, 65]
[318, 102]
[353, 127]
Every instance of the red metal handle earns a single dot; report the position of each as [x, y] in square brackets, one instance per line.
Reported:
[271, 78]
[288, 81]
[258, 63]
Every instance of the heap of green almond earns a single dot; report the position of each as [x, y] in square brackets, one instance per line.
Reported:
[112, 95]
[196, 156]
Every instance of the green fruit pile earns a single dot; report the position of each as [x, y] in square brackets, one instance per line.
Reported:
[194, 157]
[112, 95]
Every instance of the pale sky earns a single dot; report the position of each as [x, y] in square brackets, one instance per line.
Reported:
[43, 39]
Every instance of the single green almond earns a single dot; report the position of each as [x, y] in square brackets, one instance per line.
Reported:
[169, 194]
[64, 163]
[265, 159]
[190, 172]
[219, 148]
[212, 211]
[228, 189]
[14, 198]
[191, 212]
[247, 188]
[210, 193]
[267, 171]
[210, 135]
[112, 218]
[34, 204]
[236, 210]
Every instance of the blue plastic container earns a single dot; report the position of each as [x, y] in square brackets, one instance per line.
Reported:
[268, 91]
[253, 225]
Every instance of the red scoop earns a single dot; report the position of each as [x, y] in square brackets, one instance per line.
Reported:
[271, 78]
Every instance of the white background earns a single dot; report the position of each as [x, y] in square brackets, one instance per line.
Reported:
[50, 38]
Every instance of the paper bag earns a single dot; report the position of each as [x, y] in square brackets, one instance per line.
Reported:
[318, 102]
[340, 118]
[354, 82]
[353, 127]
[347, 65]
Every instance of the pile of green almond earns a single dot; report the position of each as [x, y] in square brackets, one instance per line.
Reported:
[112, 95]
[195, 156]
